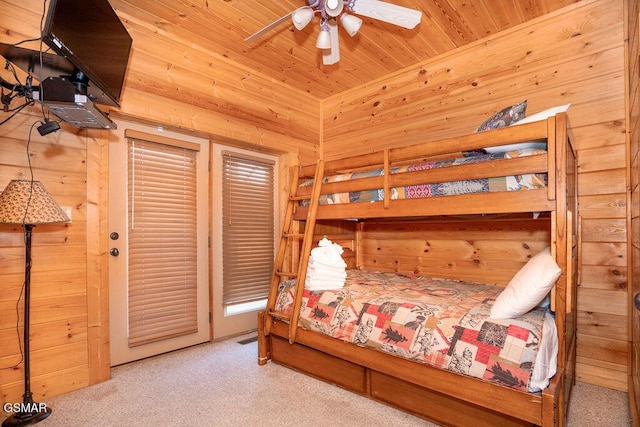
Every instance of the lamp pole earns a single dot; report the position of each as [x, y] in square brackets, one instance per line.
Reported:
[30, 411]
[28, 203]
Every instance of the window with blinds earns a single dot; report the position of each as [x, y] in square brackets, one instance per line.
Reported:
[247, 227]
[162, 254]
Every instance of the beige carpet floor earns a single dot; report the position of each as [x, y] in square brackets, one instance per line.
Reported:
[222, 384]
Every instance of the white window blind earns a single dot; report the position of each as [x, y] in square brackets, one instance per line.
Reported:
[162, 249]
[247, 227]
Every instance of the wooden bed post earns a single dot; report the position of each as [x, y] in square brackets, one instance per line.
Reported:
[386, 173]
[263, 342]
[359, 255]
[564, 226]
[559, 137]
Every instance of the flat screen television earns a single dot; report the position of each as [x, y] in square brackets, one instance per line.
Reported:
[91, 36]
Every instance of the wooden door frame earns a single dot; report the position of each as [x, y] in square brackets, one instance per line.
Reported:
[97, 258]
[631, 20]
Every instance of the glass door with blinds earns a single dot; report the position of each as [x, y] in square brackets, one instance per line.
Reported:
[245, 221]
[159, 287]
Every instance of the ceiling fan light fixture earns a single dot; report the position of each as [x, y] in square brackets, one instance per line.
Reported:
[350, 23]
[331, 11]
[324, 38]
[333, 7]
[301, 17]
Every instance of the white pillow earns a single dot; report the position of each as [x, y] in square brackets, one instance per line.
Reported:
[536, 145]
[542, 115]
[528, 287]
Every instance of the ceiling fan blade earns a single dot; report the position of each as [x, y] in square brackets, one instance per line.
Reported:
[387, 12]
[332, 55]
[269, 27]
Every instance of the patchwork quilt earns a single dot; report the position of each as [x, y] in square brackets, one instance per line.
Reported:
[441, 322]
[481, 185]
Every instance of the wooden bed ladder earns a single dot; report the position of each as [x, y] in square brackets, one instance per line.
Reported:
[289, 244]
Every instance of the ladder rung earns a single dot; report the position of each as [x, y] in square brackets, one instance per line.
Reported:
[286, 274]
[293, 235]
[279, 315]
[298, 198]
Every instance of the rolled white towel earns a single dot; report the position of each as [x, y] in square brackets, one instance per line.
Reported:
[326, 268]
[325, 278]
[322, 285]
[315, 266]
[323, 268]
[326, 274]
[333, 264]
[328, 253]
[326, 281]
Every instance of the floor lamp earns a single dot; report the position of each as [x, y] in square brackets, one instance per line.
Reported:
[27, 203]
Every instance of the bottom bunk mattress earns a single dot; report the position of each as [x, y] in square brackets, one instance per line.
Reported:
[444, 323]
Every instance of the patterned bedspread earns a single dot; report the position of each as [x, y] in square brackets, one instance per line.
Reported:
[482, 185]
[441, 322]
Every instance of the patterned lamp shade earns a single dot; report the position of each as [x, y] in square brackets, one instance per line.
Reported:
[28, 202]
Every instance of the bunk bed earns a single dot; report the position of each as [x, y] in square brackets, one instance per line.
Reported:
[389, 213]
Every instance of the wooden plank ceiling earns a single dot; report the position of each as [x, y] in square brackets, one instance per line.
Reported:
[290, 56]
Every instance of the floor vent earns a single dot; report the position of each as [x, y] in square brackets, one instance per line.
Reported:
[248, 340]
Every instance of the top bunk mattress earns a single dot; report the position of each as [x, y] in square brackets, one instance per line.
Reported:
[444, 323]
[433, 189]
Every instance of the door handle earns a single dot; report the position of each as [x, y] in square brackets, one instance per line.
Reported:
[114, 252]
[636, 301]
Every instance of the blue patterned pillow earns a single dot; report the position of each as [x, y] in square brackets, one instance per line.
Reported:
[504, 117]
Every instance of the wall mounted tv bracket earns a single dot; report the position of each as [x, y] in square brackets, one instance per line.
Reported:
[66, 91]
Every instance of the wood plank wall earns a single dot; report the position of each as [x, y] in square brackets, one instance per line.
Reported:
[169, 83]
[475, 248]
[67, 263]
[575, 55]
[171, 80]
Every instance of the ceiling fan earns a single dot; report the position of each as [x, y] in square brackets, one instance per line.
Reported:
[332, 11]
